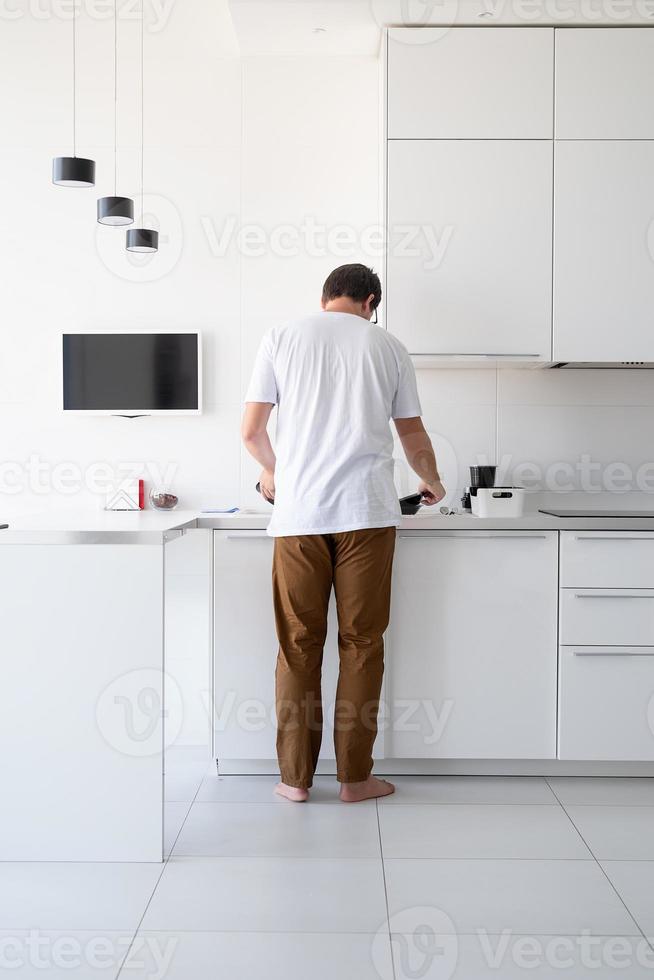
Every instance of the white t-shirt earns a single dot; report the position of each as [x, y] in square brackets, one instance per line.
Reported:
[337, 381]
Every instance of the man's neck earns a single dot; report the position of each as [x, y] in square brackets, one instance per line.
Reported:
[344, 305]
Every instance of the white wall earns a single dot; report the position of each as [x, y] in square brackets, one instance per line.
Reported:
[62, 271]
[287, 144]
[229, 143]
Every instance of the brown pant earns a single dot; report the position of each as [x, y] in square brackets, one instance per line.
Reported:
[358, 564]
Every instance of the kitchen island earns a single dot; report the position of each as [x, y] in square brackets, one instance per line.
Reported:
[82, 700]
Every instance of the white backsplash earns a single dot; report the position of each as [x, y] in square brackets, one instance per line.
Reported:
[559, 433]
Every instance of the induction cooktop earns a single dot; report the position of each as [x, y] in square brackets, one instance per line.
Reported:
[598, 513]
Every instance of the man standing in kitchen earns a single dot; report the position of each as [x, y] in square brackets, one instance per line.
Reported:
[337, 380]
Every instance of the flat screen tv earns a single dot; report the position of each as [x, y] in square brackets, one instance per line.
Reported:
[132, 373]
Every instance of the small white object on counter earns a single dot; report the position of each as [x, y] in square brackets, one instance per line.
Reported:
[498, 502]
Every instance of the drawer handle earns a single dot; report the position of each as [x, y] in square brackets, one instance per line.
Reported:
[597, 594]
[614, 537]
[463, 533]
[247, 536]
[614, 653]
[454, 353]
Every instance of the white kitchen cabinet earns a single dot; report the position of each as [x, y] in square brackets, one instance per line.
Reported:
[82, 699]
[472, 646]
[604, 251]
[606, 703]
[470, 83]
[245, 651]
[607, 559]
[606, 657]
[607, 616]
[469, 253]
[604, 83]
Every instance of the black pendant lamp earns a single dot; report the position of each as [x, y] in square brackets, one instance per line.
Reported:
[115, 210]
[73, 171]
[142, 239]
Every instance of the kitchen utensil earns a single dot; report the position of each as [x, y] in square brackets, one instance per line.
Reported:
[410, 504]
[258, 489]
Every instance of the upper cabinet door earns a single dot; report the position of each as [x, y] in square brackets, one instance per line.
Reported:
[604, 83]
[470, 246]
[604, 251]
[470, 83]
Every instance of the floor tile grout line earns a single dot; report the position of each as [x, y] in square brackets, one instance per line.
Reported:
[166, 859]
[388, 916]
[599, 865]
[349, 857]
[576, 828]
[325, 803]
[611, 806]
[366, 932]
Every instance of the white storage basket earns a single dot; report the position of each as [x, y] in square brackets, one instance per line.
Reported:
[498, 502]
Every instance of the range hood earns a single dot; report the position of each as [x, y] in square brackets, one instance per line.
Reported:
[604, 365]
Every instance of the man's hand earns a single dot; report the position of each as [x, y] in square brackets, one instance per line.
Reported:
[432, 493]
[267, 484]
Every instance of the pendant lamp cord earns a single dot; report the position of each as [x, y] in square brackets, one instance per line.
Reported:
[74, 80]
[142, 104]
[115, 97]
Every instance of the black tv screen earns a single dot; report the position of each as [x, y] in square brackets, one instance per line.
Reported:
[131, 372]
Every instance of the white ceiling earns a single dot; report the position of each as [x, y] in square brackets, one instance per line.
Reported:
[353, 27]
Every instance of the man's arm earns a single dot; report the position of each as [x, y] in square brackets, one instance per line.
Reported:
[254, 433]
[421, 457]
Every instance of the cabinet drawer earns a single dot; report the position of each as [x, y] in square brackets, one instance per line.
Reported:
[606, 710]
[607, 559]
[607, 616]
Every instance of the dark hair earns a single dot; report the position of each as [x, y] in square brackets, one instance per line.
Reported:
[356, 281]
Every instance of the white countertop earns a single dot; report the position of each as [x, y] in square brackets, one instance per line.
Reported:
[95, 526]
[102, 520]
[428, 521]
[152, 525]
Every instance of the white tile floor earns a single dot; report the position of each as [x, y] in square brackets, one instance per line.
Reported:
[454, 877]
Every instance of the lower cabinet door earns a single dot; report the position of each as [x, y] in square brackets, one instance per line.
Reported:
[606, 703]
[472, 646]
[245, 650]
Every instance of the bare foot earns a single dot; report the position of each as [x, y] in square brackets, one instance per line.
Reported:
[370, 789]
[292, 793]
